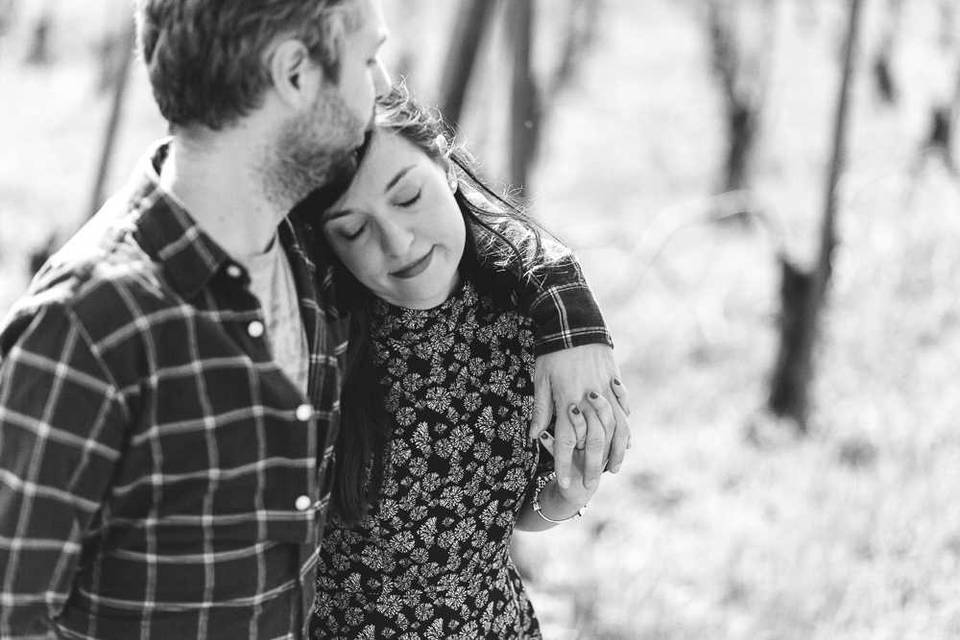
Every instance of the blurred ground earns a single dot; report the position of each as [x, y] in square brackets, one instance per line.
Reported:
[708, 532]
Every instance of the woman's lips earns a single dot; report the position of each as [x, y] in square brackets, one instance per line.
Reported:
[414, 269]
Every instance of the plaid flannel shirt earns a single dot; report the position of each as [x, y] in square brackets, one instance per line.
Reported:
[160, 477]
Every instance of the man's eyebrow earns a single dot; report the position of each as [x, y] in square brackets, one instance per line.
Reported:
[397, 178]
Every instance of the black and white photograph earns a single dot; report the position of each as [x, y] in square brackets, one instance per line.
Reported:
[479, 319]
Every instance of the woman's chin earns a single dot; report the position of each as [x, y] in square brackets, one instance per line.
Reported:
[425, 297]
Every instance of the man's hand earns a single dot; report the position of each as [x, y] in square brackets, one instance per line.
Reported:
[567, 378]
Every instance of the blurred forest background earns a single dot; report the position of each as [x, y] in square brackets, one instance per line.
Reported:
[763, 193]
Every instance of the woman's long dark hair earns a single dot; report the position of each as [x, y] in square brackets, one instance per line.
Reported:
[496, 258]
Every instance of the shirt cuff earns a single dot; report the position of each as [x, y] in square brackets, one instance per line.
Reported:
[567, 316]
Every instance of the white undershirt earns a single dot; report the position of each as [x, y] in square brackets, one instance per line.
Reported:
[271, 281]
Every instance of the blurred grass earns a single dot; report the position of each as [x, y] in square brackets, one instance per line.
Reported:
[720, 525]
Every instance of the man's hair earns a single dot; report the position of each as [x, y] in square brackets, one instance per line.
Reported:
[207, 58]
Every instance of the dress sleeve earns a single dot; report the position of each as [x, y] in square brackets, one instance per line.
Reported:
[61, 424]
[552, 291]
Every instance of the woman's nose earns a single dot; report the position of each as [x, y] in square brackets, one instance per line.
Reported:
[395, 239]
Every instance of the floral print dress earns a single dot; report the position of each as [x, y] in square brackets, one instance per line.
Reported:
[431, 557]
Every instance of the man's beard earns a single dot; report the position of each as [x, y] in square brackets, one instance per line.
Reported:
[314, 151]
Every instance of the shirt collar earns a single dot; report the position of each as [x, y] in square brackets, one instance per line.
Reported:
[165, 230]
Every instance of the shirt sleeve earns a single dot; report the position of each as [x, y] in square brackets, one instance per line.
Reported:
[553, 291]
[61, 424]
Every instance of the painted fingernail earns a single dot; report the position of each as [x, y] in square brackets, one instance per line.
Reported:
[544, 436]
[593, 395]
[617, 382]
[575, 411]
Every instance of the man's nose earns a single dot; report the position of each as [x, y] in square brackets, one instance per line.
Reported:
[381, 79]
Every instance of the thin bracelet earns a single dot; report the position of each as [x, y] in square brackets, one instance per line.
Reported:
[542, 481]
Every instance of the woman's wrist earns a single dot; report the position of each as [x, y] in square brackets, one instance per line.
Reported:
[554, 506]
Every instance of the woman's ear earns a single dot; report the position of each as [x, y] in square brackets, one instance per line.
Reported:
[295, 76]
[452, 180]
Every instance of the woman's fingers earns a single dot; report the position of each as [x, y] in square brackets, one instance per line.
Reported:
[621, 435]
[546, 439]
[596, 448]
[567, 433]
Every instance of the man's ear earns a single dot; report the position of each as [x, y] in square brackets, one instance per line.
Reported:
[295, 76]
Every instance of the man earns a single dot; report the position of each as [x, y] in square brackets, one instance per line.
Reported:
[169, 384]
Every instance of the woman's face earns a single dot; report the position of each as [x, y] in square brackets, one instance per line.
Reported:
[398, 228]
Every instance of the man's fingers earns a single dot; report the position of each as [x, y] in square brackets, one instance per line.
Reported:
[620, 441]
[596, 446]
[604, 411]
[542, 406]
[609, 413]
[620, 393]
[566, 442]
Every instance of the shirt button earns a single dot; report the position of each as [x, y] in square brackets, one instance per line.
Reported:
[255, 329]
[234, 271]
[304, 412]
[303, 503]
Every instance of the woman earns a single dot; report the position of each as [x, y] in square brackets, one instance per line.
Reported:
[435, 468]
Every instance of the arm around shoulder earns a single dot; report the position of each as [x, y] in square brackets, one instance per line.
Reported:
[553, 291]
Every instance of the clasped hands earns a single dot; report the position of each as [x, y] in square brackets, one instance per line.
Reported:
[582, 388]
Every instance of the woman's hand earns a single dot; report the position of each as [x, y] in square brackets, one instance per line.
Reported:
[572, 376]
[589, 419]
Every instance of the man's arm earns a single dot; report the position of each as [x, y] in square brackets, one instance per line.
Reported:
[574, 353]
[60, 434]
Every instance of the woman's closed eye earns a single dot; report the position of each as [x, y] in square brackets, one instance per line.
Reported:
[407, 199]
[353, 233]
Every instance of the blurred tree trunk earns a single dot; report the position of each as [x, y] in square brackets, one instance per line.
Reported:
[528, 101]
[40, 255]
[803, 294]
[948, 23]
[407, 23]
[8, 9]
[524, 96]
[472, 24]
[744, 78]
[883, 77]
[938, 143]
[38, 51]
[580, 33]
[113, 122]
[113, 49]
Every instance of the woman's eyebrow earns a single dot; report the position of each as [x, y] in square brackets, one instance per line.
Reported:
[330, 216]
[397, 178]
